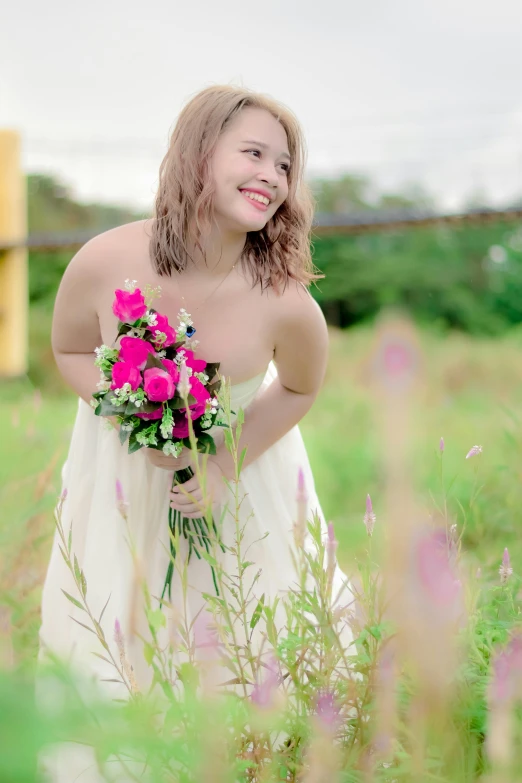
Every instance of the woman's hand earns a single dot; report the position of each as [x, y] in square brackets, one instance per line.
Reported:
[161, 460]
[188, 497]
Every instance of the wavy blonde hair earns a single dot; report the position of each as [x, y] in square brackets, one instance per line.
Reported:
[184, 212]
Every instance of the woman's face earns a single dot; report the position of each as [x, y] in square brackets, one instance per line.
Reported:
[250, 169]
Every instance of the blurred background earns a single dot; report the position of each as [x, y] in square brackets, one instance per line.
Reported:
[413, 118]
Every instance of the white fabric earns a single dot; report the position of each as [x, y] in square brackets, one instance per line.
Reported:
[96, 460]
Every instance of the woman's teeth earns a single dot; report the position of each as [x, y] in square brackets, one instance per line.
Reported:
[256, 197]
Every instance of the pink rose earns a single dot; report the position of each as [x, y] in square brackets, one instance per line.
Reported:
[196, 365]
[135, 351]
[162, 325]
[201, 394]
[172, 369]
[151, 416]
[180, 428]
[125, 373]
[158, 385]
[129, 307]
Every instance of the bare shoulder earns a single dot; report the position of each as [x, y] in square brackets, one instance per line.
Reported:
[108, 249]
[301, 352]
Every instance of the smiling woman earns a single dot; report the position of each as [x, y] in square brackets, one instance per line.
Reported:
[231, 231]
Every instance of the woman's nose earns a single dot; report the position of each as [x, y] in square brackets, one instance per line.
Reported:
[270, 176]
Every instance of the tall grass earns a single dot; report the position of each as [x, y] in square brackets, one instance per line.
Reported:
[427, 690]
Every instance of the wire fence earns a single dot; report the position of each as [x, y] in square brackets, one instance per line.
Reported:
[324, 225]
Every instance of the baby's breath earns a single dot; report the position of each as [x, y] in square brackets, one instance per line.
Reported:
[150, 293]
[148, 437]
[171, 449]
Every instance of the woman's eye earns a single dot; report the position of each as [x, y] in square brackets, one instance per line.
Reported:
[285, 166]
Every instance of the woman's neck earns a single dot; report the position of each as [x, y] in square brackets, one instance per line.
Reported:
[220, 254]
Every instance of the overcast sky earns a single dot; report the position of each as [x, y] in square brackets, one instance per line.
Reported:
[401, 90]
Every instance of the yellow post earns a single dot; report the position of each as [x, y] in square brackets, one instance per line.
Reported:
[14, 309]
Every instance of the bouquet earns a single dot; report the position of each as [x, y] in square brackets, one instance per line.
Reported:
[153, 384]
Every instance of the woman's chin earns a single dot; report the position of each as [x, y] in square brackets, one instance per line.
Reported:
[239, 224]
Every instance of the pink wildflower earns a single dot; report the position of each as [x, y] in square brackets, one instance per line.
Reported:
[474, 451]
[328, 711]
[264, 691]
[369, 517]
[122, 504]
[118, 637]
[441, 445]
[331, 548]
[505, 569]
[302, 500]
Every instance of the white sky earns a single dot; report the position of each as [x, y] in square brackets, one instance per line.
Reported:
[402, 90]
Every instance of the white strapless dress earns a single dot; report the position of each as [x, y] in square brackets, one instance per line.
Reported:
[96, 460]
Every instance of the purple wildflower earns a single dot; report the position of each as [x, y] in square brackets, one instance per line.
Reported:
[474, 451]
[328, 711]
[122, 504]
[507, 671]
[435, 570]
[205, 636]
[118, 637]
[263, 691]
[302, 501]
[369, 517]
[331, 548]
[441, 445]
[505, 569]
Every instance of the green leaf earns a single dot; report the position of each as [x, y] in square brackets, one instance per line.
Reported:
[147, 407]
[83, 582]
[103, 658]
[108, 409]
[123, 435]
[207, 441]
[82, 624]
[241, 460]
[258, 611]
[104, 608]
[178, 403]
[156, 619]
[213, 388]
[77, 571]
[72, 600]
[189, 675]
[148, 652]
[153, 361]
[134, 445]
[123, 328]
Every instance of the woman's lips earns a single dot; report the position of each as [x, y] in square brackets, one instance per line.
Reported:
[256, 204]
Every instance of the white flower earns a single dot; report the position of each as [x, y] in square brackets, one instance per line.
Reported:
[130, 285]
[171, 449]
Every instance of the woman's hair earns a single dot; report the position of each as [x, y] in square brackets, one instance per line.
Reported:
[184, 205]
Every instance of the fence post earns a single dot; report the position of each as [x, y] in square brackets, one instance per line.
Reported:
[14, 308]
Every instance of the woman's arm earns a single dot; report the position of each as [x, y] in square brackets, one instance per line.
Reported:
[301, 356]
[75, 328]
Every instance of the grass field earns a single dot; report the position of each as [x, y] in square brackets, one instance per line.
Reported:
[469, 393]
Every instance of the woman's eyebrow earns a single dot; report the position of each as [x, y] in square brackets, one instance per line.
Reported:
[264, 146]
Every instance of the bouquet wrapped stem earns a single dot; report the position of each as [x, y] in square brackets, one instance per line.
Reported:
[195, 531]
[163, 397]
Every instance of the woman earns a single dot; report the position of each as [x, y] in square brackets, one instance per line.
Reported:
[230, 242]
